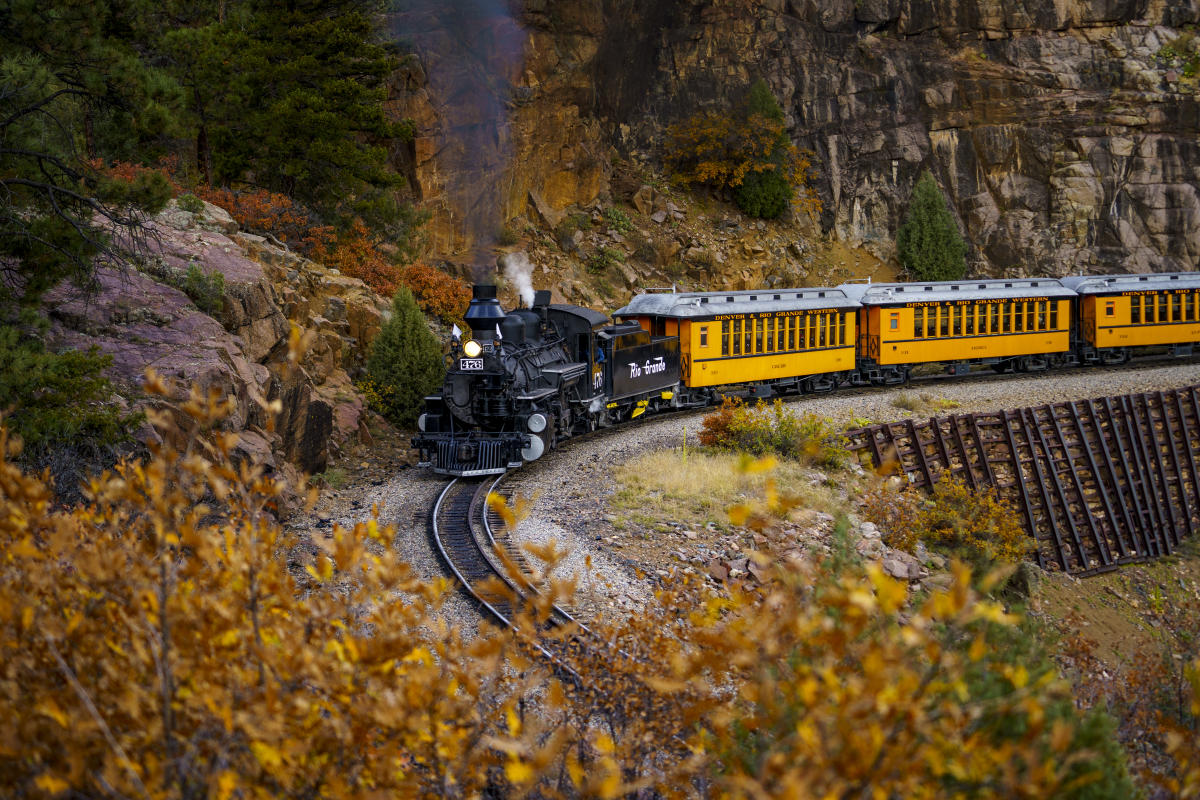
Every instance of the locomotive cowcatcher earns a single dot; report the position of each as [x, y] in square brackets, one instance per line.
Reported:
[524, 380]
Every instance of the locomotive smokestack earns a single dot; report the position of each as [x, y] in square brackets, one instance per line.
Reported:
[484, 313]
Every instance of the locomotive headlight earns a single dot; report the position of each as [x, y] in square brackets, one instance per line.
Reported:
[472, 349]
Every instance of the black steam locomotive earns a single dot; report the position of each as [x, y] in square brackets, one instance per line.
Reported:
[526, 379]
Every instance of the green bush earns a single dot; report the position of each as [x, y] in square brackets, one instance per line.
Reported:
[604, 259]
[564, 232]
[508, 236]
[206, 289]
[618, 220]
[928, 244]
[405, 363]
[189, 202]
[765, 194]
[52, 398]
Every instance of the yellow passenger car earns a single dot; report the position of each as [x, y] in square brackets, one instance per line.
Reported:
[1007, 324]
[1121, 312]
[791, 340]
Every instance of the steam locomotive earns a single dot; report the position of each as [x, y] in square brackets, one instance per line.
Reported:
[527, 379]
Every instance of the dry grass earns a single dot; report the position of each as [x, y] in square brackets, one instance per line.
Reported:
[923, 402]
[661, 485]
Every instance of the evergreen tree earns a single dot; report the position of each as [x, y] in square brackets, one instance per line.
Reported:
[928, 244]
[764, 192]
[405, 362]
[72, 89]
[300, 109]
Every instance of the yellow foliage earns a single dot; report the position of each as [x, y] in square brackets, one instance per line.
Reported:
[155, 646]
[973, 524]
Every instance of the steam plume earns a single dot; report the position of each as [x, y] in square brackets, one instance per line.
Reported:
[472, 52]
[519, 271]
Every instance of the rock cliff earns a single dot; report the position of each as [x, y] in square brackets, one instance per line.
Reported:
[238, 346]
[1064, 134]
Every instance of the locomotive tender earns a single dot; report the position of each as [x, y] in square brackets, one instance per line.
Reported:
[529, 378]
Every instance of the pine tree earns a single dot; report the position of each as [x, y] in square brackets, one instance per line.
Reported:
[928, 244]
[72, 89]
[302, 107]
[405, 362]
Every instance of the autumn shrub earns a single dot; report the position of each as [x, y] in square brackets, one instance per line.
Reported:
[975, 525]
[748, 142]
[773, 428]
[437, 293]
[155, 643]
[355, 252]
[271, 214]
[169, 639]
[160, 180]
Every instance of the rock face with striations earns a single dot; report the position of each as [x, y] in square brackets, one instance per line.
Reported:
[1064, 134]
[240, 349]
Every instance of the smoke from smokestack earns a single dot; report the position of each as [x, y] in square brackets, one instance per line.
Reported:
[471, 52]
[518, 269]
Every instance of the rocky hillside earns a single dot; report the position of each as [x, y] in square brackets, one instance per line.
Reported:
[213, 306]
[1063, 133]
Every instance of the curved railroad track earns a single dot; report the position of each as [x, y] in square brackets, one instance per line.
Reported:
[464, 538]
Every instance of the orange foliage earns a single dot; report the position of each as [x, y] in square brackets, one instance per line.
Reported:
[129, 173]
[719, 149]
[356, 254]
[437, 293]
[266, 212]
[974, 524]
[717, 425]
[159, 642]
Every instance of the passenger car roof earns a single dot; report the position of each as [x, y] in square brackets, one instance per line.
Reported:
[890, 294]
[703, 305]
[1114, 284]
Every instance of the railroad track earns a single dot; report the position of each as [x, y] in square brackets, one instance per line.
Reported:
[1097, 483]
[466, 533]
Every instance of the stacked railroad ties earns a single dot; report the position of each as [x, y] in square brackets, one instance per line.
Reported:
[1098, 483]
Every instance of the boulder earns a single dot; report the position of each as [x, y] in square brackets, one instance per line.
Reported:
[644, 200]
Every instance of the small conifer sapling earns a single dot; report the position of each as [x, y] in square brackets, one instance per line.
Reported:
[928, 244]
